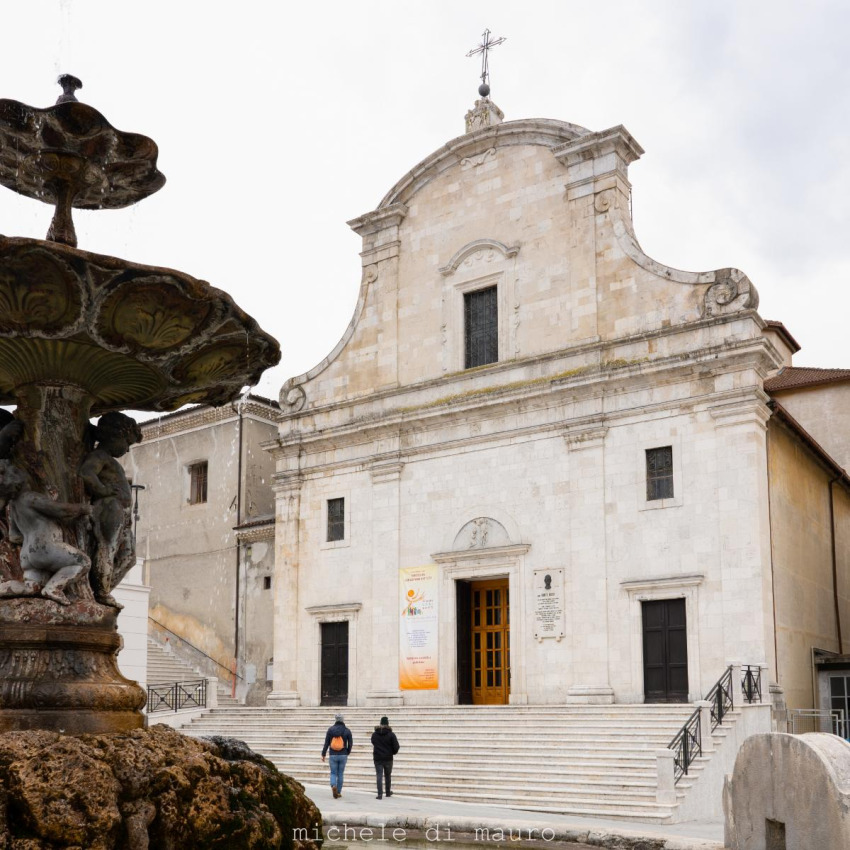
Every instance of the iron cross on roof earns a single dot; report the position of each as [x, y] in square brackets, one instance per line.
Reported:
[484, 48]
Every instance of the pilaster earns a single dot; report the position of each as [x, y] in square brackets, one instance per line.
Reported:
[588, 570]
[386, 524]
[744, 528]
[287, 488]
[379, 257]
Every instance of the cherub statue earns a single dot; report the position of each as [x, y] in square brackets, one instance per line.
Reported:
[49, 564]
[111, 496]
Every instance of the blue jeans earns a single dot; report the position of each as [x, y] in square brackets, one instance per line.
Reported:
[337, 761]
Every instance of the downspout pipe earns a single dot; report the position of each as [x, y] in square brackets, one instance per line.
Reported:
[835, 564]
[238, 601]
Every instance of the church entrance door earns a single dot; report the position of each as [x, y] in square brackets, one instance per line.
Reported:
[490, 642]
[335, 663]
[665, 651]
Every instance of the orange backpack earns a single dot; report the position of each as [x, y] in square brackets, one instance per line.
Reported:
[337, 744]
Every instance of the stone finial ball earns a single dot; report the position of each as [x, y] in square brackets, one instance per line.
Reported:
[483, 89]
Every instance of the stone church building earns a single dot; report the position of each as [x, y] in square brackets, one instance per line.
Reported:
[540, 466]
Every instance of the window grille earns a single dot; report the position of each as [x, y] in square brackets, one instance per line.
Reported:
[659, 473]
[336, 519]
[481, 327]
[198, 483]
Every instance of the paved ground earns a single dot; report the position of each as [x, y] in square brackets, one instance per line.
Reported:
[442, 821]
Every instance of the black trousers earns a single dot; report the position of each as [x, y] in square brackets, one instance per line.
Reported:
[383, 769]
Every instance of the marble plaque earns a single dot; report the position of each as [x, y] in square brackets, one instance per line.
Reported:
[548, 604]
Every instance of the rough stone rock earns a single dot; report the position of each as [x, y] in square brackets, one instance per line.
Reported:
[146, 789]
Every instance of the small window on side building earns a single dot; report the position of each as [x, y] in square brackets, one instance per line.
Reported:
[198, 483]
[481, 327]
[267, 582]
[336, 519]
[659, 473]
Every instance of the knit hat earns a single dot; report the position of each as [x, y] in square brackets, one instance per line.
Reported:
[339, 718]
[385, 721]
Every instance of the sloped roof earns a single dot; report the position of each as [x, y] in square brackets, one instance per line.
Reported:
[795, 377]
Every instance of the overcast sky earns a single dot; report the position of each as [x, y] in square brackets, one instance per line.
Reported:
[278, 122]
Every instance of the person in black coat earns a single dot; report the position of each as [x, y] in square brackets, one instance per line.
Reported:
[384, 747]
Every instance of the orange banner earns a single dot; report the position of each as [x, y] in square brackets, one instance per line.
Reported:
[418, 627]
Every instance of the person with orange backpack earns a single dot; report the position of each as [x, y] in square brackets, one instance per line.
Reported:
[339, 741]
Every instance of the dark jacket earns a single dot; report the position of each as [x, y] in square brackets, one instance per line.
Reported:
[384, 744]
[338, 729]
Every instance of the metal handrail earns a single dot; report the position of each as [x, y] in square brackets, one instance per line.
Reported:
[722, 698]
[687, 743]
[197, 649]
[751, 683]
[174, 696]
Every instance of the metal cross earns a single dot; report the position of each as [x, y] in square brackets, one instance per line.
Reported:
[484, 49]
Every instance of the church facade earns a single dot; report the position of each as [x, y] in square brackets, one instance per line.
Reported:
[535, 468]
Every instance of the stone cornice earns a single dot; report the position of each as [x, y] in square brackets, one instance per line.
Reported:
[483, 553]
[591, 436]
[745, 411]
[379, 219]
[600, 348]
[287, 482]
[613, 140]
[589, 381]
[332, 610]
[385, 472]
[664, 583]
[366, 437]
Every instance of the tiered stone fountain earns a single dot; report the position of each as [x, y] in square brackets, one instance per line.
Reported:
[85, 335]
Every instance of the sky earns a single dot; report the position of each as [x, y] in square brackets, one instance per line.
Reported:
[278, 122]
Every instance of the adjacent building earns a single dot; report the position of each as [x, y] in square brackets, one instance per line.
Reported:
[541, 466]
[206, 533]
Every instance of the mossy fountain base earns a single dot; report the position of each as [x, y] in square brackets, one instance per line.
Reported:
[146, 789]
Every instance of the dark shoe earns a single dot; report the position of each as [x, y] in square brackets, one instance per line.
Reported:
[389, 793]
[379, 797]
[336, 793]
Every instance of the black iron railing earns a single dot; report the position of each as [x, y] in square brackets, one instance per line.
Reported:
[722, 698]
[751, 683]
[175, 696]
[686, 745]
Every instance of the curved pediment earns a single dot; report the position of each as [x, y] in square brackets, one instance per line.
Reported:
[473, 248]
[474, 148]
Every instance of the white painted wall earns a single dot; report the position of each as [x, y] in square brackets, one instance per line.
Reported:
[133, 594]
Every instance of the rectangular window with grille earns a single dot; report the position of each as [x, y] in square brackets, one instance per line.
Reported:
[659, 473]
[481, 327]
[336, 519]
[198, 483]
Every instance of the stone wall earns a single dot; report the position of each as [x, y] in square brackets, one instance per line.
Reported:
[802, 561]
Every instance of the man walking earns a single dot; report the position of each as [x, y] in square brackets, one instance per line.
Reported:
[339, 741]
[384, 747]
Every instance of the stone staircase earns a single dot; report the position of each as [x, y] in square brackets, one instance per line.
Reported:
[596, 761]
[164, 668]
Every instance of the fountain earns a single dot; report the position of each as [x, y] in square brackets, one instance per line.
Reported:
[81, 336]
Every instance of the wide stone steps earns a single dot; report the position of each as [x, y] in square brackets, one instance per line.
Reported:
[166, 669]
[581, 760]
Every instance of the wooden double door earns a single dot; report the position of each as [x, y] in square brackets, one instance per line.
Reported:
[665, 651]
[484, 642]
